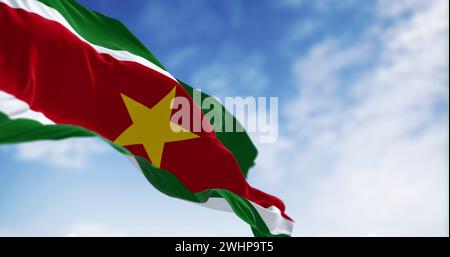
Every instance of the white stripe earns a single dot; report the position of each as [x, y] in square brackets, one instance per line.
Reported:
[276, 223]
[271, 216]
[18, 109]
[52, 14]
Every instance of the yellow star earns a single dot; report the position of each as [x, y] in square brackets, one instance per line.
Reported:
[152, 127]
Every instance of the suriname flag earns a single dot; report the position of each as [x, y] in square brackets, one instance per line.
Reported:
[66, 71]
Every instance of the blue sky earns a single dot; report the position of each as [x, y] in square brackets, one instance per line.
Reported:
[363, 141]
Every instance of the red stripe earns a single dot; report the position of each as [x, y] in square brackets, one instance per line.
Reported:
[45, 65]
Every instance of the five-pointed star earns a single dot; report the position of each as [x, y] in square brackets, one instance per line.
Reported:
[152, 127]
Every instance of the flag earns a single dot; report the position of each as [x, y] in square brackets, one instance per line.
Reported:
[66, 71]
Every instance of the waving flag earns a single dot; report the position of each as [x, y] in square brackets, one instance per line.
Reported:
[66, 71]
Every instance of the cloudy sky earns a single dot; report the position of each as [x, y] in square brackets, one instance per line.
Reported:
[363, 143]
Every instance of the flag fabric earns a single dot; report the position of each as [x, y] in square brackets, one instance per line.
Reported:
[66, 71]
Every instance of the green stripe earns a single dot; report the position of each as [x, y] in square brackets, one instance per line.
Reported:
[14, 131]
[168, 184]
[100, 30]
[25, 130]
[110, 33]
[239, 143]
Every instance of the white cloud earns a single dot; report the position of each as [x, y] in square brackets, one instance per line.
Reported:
[182, 18]
[395, 9]
[370, 152]
[224, 74]
[181, 57]
[8, 233]
[81, 229]
[69, 153]
[94, 230]
[319, 5]
[299, 31]
[272, 164]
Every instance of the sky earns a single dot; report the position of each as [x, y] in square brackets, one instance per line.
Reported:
[363, 143]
